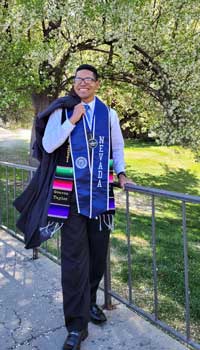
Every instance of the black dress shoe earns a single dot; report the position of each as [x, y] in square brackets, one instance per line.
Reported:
[74, 339]
[96, 314]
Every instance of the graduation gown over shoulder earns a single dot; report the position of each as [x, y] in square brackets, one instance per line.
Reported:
[30, 203]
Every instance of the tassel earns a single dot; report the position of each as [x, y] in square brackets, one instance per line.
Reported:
[112, 222]
[108, 221]
[48, 231]
[100, 226]
[57, 227]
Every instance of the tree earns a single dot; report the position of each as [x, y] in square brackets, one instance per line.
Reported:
[148, 50]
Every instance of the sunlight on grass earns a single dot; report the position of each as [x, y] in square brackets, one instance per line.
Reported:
[138, 241]
[172, 168]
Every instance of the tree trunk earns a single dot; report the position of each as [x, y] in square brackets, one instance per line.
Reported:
[40, 102]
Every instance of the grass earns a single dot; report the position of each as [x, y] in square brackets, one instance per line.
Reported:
[170, 266]
[171, 168]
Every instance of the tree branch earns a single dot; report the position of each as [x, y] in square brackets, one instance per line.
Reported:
[50, 27]
[8, 29]
[157, 18]
[176, 23]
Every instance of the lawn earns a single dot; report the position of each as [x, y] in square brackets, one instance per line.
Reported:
[171, 168]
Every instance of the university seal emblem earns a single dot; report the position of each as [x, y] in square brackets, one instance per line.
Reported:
[81, 162]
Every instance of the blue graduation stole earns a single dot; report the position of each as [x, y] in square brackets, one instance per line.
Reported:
[90, 153]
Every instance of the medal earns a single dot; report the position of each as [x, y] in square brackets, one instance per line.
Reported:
[92, 142]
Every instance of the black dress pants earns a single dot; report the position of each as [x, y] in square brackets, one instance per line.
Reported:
[83, 261]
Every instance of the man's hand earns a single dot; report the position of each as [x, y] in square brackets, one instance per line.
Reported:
[79, 111]
[123, 180]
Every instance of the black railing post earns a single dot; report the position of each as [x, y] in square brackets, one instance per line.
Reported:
[128, 233]
[155, 282]
[186, 277]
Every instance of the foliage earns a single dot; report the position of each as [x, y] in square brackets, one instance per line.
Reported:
[147, 52]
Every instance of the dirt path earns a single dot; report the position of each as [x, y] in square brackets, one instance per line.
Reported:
[18, 134]
[14, 145]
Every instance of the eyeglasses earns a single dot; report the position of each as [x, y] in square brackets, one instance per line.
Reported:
[79, 80]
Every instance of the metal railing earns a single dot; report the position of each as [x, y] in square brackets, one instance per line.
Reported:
[15, 177]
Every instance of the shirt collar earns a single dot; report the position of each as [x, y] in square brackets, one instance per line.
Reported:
[91, 104]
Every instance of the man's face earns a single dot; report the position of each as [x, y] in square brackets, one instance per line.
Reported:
[87, 88]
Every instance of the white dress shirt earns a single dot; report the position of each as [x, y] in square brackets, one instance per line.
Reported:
[56, 134]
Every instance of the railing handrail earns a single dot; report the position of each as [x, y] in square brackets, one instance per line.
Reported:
[162, 193]
[130, 187]
[18, 166]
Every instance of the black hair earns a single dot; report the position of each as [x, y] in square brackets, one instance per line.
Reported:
[89, 67]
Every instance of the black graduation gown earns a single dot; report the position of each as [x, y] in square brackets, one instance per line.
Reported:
[34, 201]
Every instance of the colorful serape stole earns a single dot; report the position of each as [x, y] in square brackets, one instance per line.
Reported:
[59, 207]
[111, 179]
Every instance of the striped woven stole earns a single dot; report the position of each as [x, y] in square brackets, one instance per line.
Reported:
[59, 207]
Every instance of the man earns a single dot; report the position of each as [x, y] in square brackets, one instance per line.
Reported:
[88, 137]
